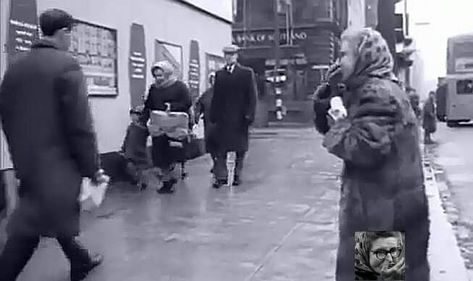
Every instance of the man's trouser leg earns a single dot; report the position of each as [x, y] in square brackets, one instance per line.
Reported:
[240, 157]
[221, 171]
[16, 254]
[74, 251]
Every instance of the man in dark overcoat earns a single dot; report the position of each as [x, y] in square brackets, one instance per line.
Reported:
[48, 125]
[233, 111]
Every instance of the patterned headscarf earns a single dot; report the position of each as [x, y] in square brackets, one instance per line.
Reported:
[363, 243]
[169, 73]
[373, 57]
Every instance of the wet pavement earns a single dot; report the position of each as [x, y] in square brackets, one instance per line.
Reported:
[452, 157]
[280, 224]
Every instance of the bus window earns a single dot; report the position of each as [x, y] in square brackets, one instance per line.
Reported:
[465, 87]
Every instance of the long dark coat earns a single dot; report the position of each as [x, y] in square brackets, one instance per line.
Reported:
[202, 107]
[48, 126]
[429, 121]
[180, 99]
[382, 180]
[233, 107]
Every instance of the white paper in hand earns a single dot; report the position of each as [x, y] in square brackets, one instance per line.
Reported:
[92, 195]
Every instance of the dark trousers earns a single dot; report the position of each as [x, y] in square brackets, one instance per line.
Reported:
[19, 250]
[221, 170]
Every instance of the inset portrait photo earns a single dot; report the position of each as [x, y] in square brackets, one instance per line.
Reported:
[380, 255]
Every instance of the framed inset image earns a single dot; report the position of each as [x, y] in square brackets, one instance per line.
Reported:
[380, 254]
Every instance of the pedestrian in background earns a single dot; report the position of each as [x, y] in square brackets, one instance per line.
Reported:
[232, 111]
[48, 126]
[167, 90]
[415, 102]
[382, 181]
[202, 109]
[429, 115]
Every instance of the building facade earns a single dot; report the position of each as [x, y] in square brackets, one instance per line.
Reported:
[116, 42]
[307, 45]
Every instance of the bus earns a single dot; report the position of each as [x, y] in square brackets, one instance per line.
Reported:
[456, 102]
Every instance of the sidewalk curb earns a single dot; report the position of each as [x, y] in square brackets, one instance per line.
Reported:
[446, 262]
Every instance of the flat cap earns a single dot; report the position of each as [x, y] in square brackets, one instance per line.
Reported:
[53, 20]
[230, 49]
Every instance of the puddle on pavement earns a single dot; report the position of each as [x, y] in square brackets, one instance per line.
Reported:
[461, 178]
[449, 161]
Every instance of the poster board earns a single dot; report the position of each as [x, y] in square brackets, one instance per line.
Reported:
[21, 31]
[212, 64]
[137, 65]
[165, 51]
[194, 69]
[95, 47]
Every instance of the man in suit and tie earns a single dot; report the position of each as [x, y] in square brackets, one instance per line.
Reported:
[232, 111]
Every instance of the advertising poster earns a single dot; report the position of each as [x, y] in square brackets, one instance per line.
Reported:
[213, 63]
[194, 70]
[171, 53]
[137, 64]
[22, 31]
[23, 27]
[95, 48]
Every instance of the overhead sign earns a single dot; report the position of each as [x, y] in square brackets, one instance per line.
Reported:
[22, 27]
[266, 37]
[194, 69]
[137, 65]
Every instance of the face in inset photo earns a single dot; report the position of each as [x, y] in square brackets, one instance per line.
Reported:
[379, 255]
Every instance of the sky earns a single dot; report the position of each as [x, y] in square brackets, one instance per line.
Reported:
[432, 22]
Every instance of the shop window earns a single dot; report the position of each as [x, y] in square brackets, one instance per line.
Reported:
[310, 11]
[261, 12]
[95, 47]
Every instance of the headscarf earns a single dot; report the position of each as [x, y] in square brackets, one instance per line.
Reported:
[363, 242]
[372, 54]
[169, 73]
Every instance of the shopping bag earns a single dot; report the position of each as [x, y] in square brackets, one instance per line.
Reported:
[173, 124]
[195, 148]
[92, 196]
[198, 130]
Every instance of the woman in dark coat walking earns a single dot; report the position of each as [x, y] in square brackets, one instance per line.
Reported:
[382, 180]
[429, 122]
[202, 108]
[167, 90]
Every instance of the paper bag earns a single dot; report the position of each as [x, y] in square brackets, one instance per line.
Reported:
[173, 124]
[198, 130]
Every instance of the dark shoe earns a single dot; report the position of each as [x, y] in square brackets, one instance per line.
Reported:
[167, 187]
[142, 186]
[236, 180]
[79, 273]
[219, 183]
[429, 141]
